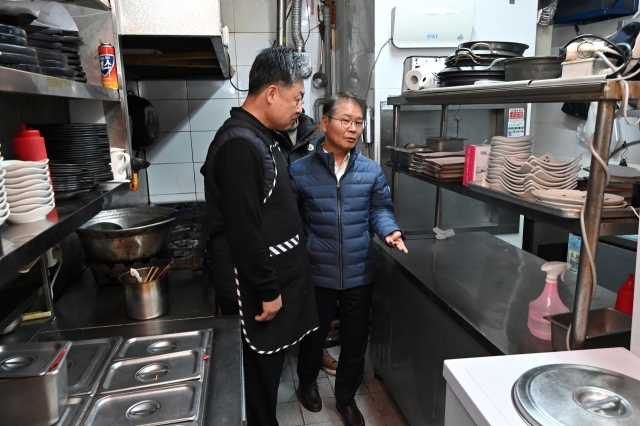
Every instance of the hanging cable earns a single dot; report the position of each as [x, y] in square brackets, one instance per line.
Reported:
[374, 66]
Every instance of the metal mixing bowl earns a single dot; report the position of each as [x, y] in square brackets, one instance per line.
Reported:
[125, 245]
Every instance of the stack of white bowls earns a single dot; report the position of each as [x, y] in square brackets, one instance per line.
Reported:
[4, 206]
[522, 177]
[571, 199]
[502, 147]
[29, 190]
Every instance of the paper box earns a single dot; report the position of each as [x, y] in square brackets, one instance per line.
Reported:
[476, 161]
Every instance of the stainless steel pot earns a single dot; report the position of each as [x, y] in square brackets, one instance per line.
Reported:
[494, 46]
[145, 300]
[129, 244]
[532, 68]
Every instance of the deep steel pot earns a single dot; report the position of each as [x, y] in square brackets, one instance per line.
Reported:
[125, 245]
[145, 300]
[532, 68]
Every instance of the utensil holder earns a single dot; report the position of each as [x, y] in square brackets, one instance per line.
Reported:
[145, 300]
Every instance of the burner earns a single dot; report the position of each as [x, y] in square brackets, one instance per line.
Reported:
[185, 235]
[183, 244]
[184, 227]
[182, 254]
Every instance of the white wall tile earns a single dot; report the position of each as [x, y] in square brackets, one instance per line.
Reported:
[200, 197]
[167, 89]
[200, 142]
[253, 16]
[248, 45]
[173, 115]
[212, 89]
[209, 114]
[173, 198]
[231, 49]
[171, 179]
[172, 147]
[226, 8]
[243, 80]
[199, 177]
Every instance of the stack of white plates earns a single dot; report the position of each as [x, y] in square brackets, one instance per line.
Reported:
[501, 148]
[574, 199]
[4, 206]
[29, 190]
[545, 172]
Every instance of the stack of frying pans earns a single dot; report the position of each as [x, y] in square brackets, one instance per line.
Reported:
[14, 52]
[48, 44]
[79, 157]
[479, 60]
[70, 48]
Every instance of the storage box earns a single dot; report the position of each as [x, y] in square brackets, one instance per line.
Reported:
[403, 155]
[476, 162]
[606, 328]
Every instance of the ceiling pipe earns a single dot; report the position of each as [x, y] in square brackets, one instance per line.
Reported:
[296, 25]
[281, 35]
[326, 19]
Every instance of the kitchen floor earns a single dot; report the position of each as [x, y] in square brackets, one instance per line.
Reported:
[373, 399]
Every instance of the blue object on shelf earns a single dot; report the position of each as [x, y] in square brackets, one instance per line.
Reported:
[584, 12]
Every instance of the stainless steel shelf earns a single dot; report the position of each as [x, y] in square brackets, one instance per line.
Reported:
[555, 90]
[21, 244]
[27, 83]
[614, 222]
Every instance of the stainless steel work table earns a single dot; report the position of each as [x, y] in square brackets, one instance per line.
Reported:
[89, 311]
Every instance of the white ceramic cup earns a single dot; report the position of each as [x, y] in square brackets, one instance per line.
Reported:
[120, 160]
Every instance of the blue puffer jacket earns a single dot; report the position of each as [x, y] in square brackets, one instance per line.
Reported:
[338, 218]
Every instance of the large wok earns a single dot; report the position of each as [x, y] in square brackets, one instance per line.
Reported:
[125, 245]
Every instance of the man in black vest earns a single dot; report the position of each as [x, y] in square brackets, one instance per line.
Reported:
[258, 256]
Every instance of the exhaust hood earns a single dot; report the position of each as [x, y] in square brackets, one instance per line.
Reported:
[164, 39]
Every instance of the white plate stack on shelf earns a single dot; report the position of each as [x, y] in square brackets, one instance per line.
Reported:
[545, 172]
[29, 191]
[4, 205]
[574, 199]
[502, 147]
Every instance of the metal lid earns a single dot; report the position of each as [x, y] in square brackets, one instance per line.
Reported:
[30, 359]
[562, 394]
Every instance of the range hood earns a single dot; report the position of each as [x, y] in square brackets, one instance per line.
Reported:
[165, 39]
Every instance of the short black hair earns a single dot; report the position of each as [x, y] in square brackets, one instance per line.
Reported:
[277, 65]
[331, 104]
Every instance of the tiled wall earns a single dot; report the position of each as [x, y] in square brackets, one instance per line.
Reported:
[191, 112]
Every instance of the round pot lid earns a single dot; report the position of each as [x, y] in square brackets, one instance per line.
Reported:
[573, 394]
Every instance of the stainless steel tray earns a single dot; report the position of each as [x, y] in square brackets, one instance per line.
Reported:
[140, 373]
[544, 207]
[162, 344]
[167, 405]
[87, 361]
[74, 410]
[29, 359]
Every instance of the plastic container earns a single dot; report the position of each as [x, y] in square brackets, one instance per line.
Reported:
[548, 303]
[28, 145]
[624, 301]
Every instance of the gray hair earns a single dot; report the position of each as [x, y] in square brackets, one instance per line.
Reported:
[331, 104]
[277, 65]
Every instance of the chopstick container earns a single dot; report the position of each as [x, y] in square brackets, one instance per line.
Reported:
[145, 300]
[33, 383]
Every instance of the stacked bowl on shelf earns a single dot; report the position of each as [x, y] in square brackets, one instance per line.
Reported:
[4, 205]
[502, 147]
[29, 191]
[48, 43]
[14, 51]
[571, 199]
[522, 177]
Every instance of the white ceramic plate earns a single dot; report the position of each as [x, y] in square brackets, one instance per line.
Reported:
[27, 184]
[3, 172]
[17, 181]
[4, 217]
[40, 186]
[577, 207]
[32, 171]
[11, 165]
[32, 202]
[30, 194]
[573, 197]
[33, 215]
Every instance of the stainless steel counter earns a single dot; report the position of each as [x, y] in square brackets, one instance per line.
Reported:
[488, 283]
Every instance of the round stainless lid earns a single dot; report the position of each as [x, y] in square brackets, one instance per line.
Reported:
[572, 394]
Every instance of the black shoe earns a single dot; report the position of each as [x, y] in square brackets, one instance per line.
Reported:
[310, 397]
[351, 415]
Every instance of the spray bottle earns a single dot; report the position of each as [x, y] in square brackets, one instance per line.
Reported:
[548, 303]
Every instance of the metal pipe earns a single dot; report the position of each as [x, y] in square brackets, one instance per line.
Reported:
[444, 118]
[281, 35]
[396, 139]
[326, 19]
[593, 213]
[296, 25]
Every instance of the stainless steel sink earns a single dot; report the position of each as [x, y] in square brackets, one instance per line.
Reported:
[606, 328]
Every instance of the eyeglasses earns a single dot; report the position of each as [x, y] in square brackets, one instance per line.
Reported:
[346, 123]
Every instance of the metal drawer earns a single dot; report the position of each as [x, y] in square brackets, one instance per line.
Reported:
[162, 344]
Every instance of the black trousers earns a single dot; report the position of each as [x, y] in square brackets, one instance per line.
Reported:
[261, 377]
[355, 304]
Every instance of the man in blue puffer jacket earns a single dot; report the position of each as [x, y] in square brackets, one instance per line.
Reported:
[341, 196]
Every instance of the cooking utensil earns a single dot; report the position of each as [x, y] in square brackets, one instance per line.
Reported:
[125, 245]
[320, 79]
[505, 46]
[534, 68]
[147, 299]
[165, 269]
[144, 121]
[109, 226]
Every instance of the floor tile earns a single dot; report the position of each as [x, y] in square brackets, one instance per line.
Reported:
[361, 390]
[373, 384]
[324, 387]
[321, 373]
[395, 420]
[329, 424]
[328, 414]
[288, 414]
[385, 403]
[294, 370]
[286, 374]
[287, 392]
[367, 406]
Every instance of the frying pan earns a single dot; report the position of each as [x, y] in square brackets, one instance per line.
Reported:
[516, 49]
